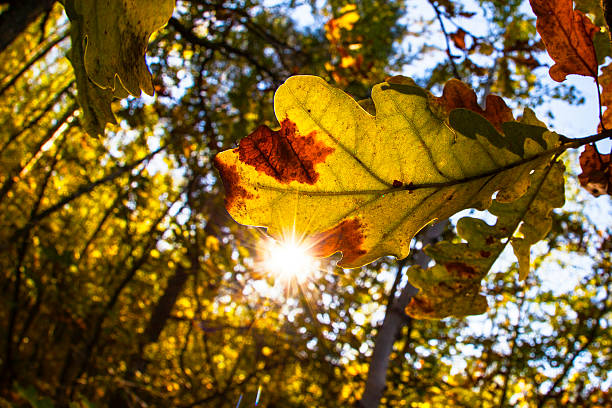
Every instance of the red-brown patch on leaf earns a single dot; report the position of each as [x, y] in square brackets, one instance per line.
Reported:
[346, 237]
[420, 307]
[284, 154]
[461, 270]
[458, 39]
[596, 175]
[235, 194]
[568, 37]
[456, 95]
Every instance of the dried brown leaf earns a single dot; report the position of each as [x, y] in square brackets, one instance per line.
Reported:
[568, 35]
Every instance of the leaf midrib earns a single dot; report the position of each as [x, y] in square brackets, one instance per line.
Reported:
[414, 187]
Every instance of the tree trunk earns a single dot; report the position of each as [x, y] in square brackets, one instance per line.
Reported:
[395, 320]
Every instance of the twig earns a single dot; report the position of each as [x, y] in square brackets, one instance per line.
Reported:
[448, 47]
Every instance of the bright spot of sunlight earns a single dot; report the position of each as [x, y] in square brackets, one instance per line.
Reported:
[288, 260]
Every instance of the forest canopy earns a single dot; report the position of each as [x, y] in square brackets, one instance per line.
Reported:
[296, 204]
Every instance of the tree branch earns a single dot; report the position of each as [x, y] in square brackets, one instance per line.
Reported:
[451, 59]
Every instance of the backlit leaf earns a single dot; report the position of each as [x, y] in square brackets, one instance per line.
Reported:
[94, 101]
[568, 35]
[363, 184]
[109, 41]
[596, 174]
[452, 286]
[115, 34]
[601, 40]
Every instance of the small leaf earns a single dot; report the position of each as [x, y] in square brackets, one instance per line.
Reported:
[458, 38]
[596, 176]
[452, 286]
[364, 185]
[605, 80]
[568, 36]
[457, 94]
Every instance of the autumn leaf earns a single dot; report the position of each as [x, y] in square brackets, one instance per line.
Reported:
[109, 41]
[116, 34]
[457, 94]
[452, 287]
[94, 101]
[458, 38]
[568, 36]
[605, 80]
[601, 40]
[363, 184]
[596, 176]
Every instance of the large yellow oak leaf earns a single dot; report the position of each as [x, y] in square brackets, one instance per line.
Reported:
[365, 185]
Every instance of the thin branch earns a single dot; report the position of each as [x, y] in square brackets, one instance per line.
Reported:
[14, 175]
[451, 59]
[191, 37]
[37, 118]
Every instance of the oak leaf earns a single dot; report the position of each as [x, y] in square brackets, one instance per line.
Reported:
[596, 176]
[568, 36]
[605, 80]
[458, 38]
[364, 185]
[109, 41]
[601, 40]
[452, 287]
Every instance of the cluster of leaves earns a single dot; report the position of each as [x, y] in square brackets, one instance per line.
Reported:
[125, 283]
[382, 175]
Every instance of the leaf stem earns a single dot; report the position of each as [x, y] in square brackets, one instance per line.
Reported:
[569, 143]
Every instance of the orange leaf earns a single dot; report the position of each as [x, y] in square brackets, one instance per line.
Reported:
[605, 80]
[568, 36]
[459, 39]
[456, 95]
[596, 175]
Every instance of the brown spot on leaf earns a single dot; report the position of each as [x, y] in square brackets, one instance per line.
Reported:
[346, 237]
[596, 176]
[420, 307]
[489, 240]
[461, 270]
[568, 37]
[485, 254]
[397, 183]
[235, 194]
[284, 154]
[457, 95]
